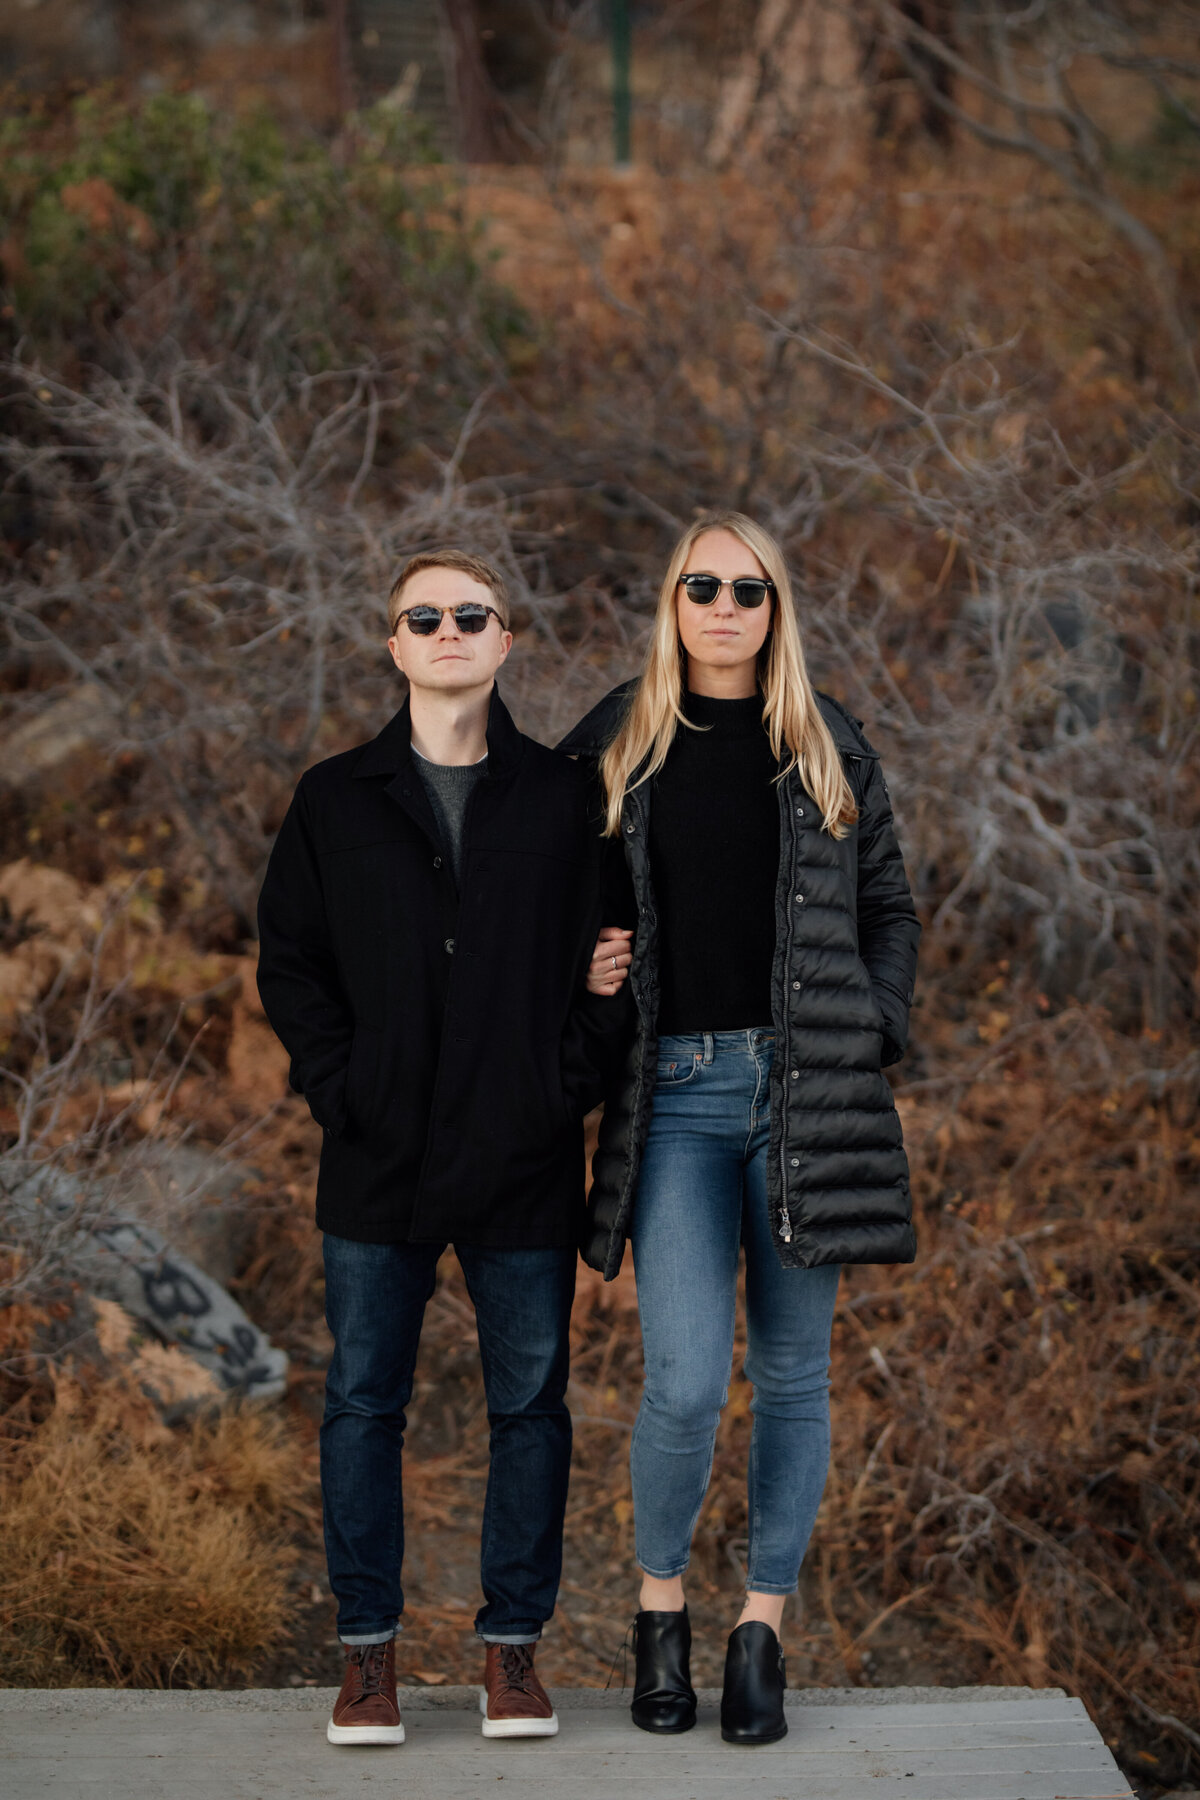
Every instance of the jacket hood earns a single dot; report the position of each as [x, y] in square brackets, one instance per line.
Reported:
[596, 730]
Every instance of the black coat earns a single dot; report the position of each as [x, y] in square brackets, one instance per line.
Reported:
[444, 1040]
[845, 959]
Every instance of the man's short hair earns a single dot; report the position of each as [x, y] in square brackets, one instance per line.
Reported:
[465, 563]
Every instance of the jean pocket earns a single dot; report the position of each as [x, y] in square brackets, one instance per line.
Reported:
[677, 1074]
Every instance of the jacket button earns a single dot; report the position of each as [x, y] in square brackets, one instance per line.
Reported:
[795, 1074]
[629, 830]
[795, 984]
[449, 946]
[799, 812]
[799, 899]
[795, 1162]
[437, 862]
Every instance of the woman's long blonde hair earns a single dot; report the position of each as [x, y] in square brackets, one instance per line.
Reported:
[798, 732]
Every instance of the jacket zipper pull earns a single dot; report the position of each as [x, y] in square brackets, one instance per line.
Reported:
[785, 1225]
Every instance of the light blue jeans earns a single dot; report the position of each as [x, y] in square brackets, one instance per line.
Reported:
[701, 1194]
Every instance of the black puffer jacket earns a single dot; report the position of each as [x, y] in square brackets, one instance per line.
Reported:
[842, 984]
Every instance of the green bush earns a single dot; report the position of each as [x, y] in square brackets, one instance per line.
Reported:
[160, 158]
[364, 243]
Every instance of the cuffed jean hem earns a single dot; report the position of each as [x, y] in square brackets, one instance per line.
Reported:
[772, 1587]
[369, 1637]
[494, 1637]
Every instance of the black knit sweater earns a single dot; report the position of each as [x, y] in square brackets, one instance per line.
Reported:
[714, 857]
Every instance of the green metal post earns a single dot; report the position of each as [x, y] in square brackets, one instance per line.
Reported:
[621, 58]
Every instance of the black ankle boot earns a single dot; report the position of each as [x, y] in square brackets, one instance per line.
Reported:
[663, 1696]
[752, 1697]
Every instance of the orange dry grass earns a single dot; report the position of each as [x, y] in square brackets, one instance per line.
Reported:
[137, 1555]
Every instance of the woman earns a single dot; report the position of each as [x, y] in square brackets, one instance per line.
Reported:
[772, 969]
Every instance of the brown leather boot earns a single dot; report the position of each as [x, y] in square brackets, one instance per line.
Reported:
[366, 1712]
[514, 1703]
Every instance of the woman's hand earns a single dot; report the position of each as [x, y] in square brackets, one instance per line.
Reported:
[610, 960]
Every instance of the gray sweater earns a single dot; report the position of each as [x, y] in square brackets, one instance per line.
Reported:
[449, 788]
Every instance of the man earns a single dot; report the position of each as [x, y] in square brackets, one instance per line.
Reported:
[425, 927]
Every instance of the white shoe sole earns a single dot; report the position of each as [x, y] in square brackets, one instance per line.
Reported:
[508, 1728]
[364, 1734]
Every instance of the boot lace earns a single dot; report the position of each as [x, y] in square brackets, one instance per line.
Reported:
[371, 1660]
[516, 1660]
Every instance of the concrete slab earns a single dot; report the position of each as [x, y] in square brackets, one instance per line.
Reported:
[842, 1744]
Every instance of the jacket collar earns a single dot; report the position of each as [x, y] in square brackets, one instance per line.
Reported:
[597, 729]
[391, 751]
[846, 729]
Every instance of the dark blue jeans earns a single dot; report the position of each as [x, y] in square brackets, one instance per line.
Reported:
[375, 1296]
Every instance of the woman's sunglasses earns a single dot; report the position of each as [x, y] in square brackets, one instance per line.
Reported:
[471, 617]
[748, 590]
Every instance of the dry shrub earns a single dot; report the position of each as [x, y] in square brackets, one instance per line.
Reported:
[141, 1556]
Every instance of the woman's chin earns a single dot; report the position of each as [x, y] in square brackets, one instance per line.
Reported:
[720, 656]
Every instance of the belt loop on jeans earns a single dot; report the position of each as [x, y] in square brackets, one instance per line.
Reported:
[708, 1047]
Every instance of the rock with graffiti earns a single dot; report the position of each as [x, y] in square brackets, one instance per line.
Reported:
[128, 1261]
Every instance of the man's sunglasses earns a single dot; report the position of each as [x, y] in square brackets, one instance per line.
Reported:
[748, 590]
[471, 617]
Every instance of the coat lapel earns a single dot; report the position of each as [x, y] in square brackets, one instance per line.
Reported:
[391, 754]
